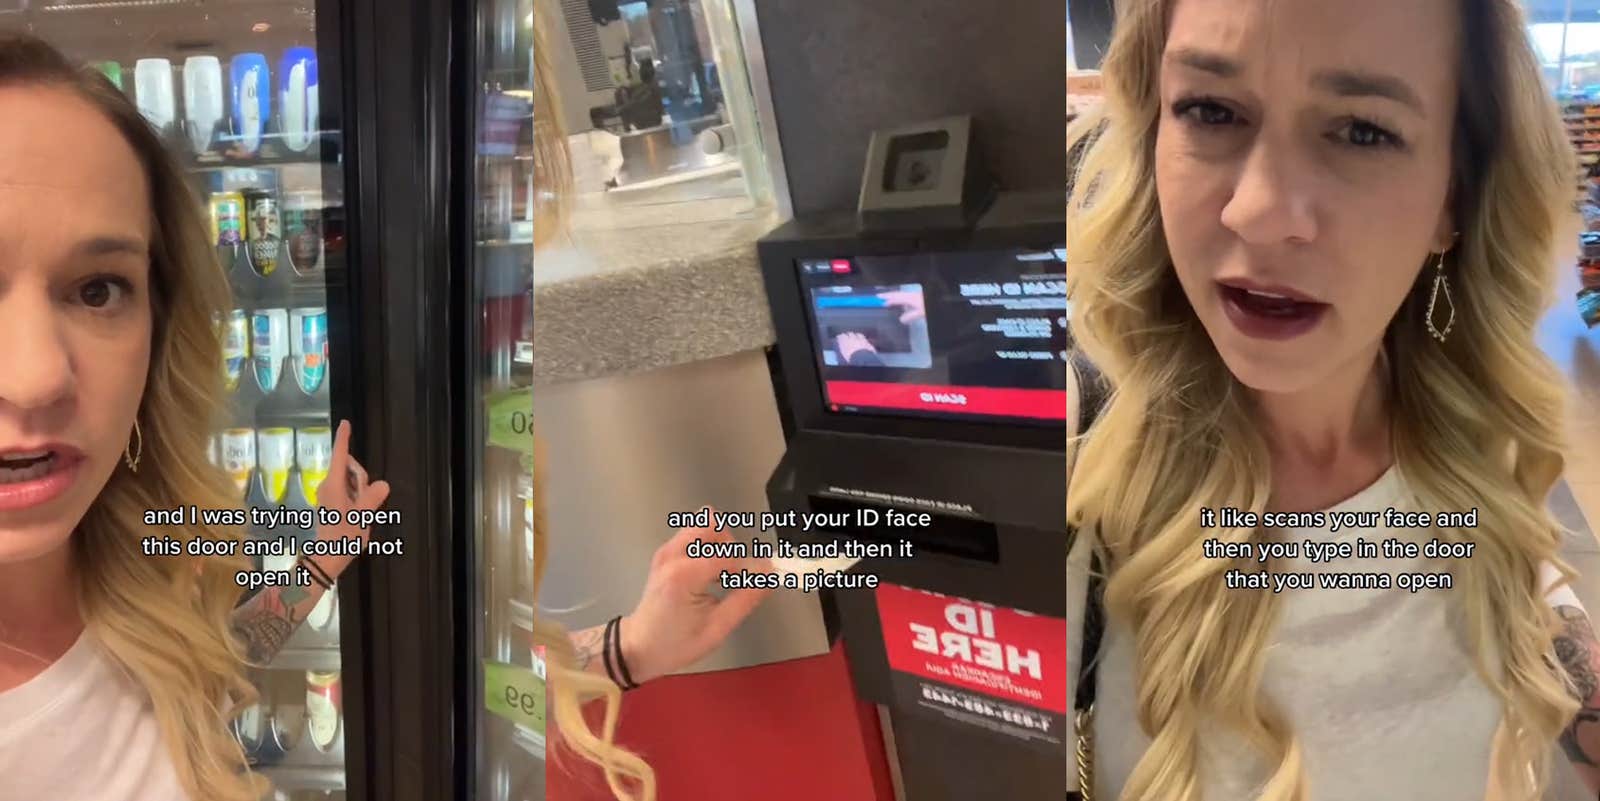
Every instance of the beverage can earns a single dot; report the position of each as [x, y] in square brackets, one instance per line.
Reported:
[239, 454]
[263, 231]
[302, 229]
[323, 708]
[250, 729]
[235, 345]
[313, 451]
[203, 101]
[252, 99]
[309, 347]
[269, 344]
[154, 93]
[288, 719]
[297, 88]
[227, 219]
[275, 456]
[323, 614]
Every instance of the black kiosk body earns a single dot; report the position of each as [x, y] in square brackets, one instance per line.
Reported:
[925, 373]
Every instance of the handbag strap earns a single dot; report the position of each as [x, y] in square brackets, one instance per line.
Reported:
[1093, 628]
[1093, 389]
[1088, 663]
[1093, 393]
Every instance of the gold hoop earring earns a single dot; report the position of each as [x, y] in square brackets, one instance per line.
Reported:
[1441, 287]
[135, 448]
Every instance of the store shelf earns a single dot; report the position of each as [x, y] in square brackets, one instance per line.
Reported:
[521, 615]
[529, 740]
[298, 777]
[310, 158]
[511, 234]
[510, 241]
[272, 153]
[318, 659]
[287, 405]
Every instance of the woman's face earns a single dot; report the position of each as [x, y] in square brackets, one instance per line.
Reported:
[1303, 168]
[75, 318]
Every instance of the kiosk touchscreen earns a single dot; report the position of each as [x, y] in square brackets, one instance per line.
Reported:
[975, 335]
[927, 382]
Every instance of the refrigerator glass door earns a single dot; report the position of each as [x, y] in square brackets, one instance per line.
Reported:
[511, 742]
[234, 88]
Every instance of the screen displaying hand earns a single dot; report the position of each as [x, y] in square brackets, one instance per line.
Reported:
[910, 302]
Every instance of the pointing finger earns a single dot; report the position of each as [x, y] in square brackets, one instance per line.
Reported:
[338, 464]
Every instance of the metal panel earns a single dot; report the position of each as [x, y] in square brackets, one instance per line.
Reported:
[625, 451]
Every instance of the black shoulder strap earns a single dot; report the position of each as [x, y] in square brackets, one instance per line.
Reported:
[1093, 393]
[1093, 628]
[1093, 390]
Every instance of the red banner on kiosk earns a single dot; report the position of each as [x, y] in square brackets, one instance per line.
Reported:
[1002, 669]
[1039, 404]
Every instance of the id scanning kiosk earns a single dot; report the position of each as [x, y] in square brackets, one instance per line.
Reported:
[924, 365]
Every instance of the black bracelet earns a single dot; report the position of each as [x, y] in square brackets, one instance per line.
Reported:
[319, 571]
[616, 669]
[622, 664]
[318, 575]
[605, 651]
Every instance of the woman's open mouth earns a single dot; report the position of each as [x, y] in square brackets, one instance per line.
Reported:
[33, 477]
[1270, 313]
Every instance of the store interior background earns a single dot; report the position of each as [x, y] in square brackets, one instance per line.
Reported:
[1566, 34]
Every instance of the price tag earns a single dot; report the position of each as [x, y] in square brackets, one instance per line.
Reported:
[514, 693]
[511, 420]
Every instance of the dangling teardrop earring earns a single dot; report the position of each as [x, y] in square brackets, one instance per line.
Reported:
[1441, 287]
[135, 448]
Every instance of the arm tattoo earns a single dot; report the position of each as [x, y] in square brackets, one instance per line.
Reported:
[265, 623]
[587, 645]
[1577, 650]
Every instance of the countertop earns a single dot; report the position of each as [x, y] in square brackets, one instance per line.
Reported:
[637, 285]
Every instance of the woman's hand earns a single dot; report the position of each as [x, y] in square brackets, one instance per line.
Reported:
[344, 489]
[679, 620]
[911, 302]
[264, 624]
[850, 343]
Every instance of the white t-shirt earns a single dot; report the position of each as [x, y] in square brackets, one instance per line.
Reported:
[1378, 686]
[82, 730]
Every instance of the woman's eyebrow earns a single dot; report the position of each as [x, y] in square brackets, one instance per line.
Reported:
[1348, 83]
[112, 244]
[1204, 61]
[1343, 83]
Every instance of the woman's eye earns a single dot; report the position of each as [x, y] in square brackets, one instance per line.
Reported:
[1366, 135]
[1206, 112]
[99, 293]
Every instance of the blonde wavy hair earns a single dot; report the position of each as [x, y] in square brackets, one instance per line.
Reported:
[1476, 420]
[165, 621]
[569, 690]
